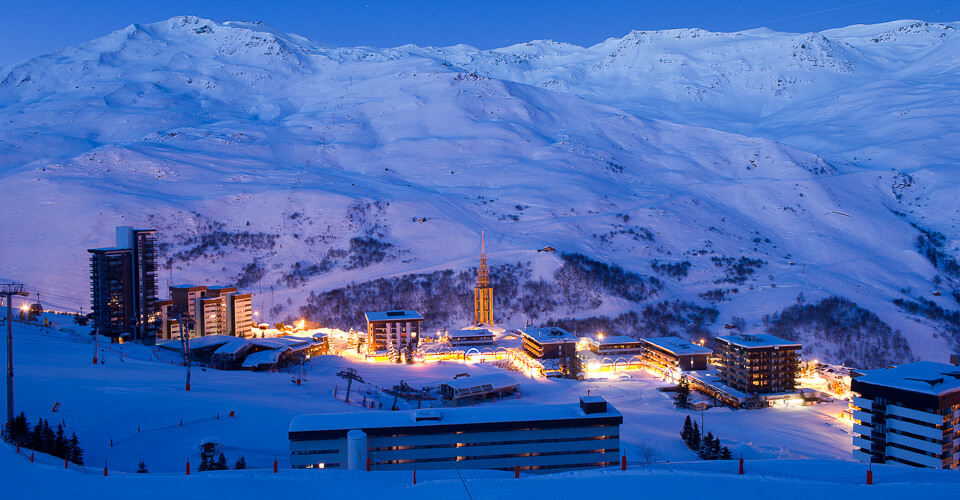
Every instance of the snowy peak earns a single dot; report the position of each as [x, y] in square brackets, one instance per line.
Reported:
[904, 33]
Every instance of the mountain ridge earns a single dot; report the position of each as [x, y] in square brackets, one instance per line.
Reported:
[272, 161]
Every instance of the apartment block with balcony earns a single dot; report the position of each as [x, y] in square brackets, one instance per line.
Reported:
[758, 364]
[123, 286]
[215, 310]
[532, 438]
[670, 355]
[908, 414]
[392, 331]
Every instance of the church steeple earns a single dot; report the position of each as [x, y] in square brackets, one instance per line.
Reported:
[483, 274]
[483, 293]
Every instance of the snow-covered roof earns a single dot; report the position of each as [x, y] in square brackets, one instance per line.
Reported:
[925, 377]
[447, 416]
[278, 342]
[549, 334]
[612, 339]
[393, 316]
[678, 345]
[495, 380]
[469, 333]
[232, 347]
[758, 340]
[199, 342]
[267, 357]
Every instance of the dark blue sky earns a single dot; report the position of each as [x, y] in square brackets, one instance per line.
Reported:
[32, 27]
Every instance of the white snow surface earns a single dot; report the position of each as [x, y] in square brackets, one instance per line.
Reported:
[196, 127]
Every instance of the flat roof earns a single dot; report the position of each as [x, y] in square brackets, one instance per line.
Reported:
[280, 342]
[496, 380]
[758, 340]
[470, 333]
[398, 315]
[925, 377]
[108, 249]
[613, 339]
[678, 345]
[188, 287]
[447, 416]
[549, 334]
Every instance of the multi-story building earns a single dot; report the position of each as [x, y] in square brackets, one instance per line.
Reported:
[470, 337]
[238, 320]
[123, 286]
[614, 345]
[215, 310]
[908, 414]
[186, 297]
[483, 292]
[398, 330]
[549, 342]
[670, 355]
[758, 364]
[538, 439]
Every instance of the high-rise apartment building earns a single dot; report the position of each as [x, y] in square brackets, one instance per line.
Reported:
[908, 414]
[758, 364]
[215, 310]
[123, 286]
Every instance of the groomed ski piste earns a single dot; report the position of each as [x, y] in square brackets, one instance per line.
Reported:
[134, 400]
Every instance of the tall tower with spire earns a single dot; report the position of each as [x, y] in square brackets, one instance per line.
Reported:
[482, 293]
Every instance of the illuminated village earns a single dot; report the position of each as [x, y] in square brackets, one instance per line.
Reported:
[675, 262]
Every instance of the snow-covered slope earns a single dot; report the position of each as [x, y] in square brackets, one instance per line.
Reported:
[298, 170]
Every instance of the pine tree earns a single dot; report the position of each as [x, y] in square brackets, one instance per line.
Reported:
[705, 445]
[682, 398]
[36, 437]
[241, 463]
[715, 449]
[221, 463]
[685, 434]
[725, 454]
[59, 443]
[20, 431]
[695, 438]
[204, 464]
[142, 467]
[75, 453]
[49, 438]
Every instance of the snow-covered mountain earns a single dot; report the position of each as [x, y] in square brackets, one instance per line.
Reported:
[329, 180]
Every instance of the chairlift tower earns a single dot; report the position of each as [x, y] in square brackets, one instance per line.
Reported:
[8, 290]
[184, 319]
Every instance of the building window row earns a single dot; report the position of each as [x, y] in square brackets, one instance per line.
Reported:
[314, 452]
[493, 443]
[493, 457]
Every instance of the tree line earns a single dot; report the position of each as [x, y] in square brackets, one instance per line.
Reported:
[44, 439]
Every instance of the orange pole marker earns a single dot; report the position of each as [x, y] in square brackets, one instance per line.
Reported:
[869, 476]
[188, 467]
